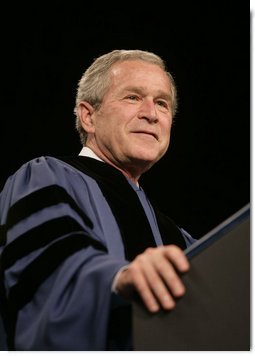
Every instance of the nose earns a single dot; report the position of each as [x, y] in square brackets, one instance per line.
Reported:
[148, 111]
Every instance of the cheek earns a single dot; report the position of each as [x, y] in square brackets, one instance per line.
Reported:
[166, 130]
[111, 129]
[117, 124]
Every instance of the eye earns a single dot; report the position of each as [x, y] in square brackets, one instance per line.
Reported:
[163, 104]
[132, 97]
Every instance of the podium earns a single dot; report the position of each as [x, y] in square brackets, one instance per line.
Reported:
[214, 314]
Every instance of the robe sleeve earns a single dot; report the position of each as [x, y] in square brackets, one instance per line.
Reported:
[57, 272]
[189, 240]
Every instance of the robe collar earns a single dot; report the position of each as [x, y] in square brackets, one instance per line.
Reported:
[126, 207]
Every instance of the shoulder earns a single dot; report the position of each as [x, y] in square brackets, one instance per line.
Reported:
[44, 169]
[38, 173]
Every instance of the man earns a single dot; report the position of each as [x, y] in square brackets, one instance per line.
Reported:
[79, 237]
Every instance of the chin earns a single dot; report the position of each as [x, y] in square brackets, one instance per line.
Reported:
[146, 161]
[148, 155]
[144, 155]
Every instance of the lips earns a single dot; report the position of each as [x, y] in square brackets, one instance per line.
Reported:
[151, 133]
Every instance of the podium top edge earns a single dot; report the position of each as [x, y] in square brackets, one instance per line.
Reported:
[218, 231]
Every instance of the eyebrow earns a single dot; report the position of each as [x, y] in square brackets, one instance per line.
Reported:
[142, 90]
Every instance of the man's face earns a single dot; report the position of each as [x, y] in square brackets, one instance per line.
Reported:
[132, 127]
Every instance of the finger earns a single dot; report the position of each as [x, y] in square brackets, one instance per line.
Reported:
[142, 287]
[170, 277]
[158, 287]
[176, 256]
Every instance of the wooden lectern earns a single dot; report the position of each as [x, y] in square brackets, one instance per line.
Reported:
[214, 314]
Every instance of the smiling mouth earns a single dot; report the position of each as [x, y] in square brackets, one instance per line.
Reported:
[147, 133]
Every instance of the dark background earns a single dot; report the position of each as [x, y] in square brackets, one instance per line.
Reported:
[205, 176]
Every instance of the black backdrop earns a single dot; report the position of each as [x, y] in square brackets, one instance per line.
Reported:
[205, 176]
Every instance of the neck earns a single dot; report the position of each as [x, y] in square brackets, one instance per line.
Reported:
[128, 170]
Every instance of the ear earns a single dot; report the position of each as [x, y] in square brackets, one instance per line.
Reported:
[85, 112]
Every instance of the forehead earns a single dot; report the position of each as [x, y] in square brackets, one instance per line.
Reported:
[139, 72]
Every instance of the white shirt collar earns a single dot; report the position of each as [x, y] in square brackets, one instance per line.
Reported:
[87, 152]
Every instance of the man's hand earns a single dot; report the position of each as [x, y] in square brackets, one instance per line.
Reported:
[154, 274]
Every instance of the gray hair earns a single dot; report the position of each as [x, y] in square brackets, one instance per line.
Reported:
[95, 80]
